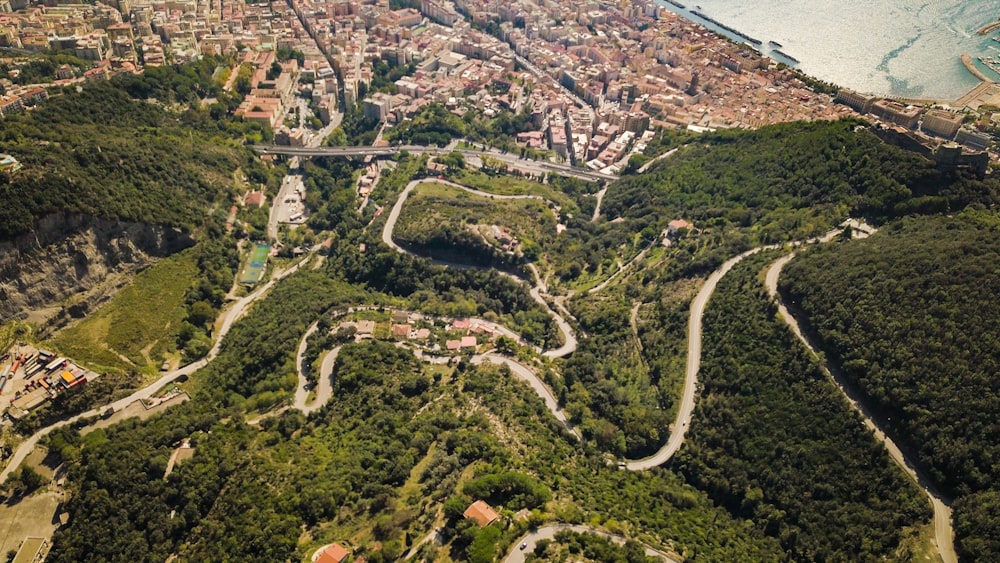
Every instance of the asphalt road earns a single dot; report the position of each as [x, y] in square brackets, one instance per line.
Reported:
[528, 375]
[324, 383]
[691, 373]
[694, 342]
[570, 342]
[533, 166]
[226, 321]
[943, 532]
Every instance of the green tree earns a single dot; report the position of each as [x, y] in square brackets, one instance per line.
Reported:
[28, 480]
[484, 547]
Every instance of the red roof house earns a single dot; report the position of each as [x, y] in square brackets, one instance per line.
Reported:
[333, 553]
[255, 199]
[482, 513]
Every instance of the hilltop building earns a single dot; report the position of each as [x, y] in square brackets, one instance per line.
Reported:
[482, 513]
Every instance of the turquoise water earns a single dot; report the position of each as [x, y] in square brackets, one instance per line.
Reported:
[909, 48]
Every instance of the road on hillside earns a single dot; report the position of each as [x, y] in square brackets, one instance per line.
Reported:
[569, 339]
[324, 381]
[691, 372]
[646, 166]
[642, 254]
[694, 345]
[597, 207]
[687, 403]
[676, 437]
[530, 540]
[943, 532]
[224, 324]
[528, 375]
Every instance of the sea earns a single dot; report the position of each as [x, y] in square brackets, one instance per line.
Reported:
[905, 48]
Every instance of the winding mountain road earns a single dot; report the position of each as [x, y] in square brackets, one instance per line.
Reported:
[528, 375]
[301, 391]
[324, 385]
[687, 403]
[943, 532]
[390, 222]
[536, 291]
[691, 371]
[226, 321]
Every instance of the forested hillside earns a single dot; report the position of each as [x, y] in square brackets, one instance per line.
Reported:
[910, 315]
[773, 440]
[99, 152]
[785, 181]
[400, 446]
[776, 466]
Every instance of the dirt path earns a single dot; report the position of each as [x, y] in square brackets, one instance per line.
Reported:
[517, 555]
[597, 207]
[642, 254]
[633, 323]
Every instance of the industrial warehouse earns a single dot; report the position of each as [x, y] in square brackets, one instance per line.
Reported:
[29, 377]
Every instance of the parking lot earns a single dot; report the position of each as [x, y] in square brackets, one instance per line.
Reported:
[288, 206]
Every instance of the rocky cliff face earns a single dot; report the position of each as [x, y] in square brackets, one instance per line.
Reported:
[69, 263]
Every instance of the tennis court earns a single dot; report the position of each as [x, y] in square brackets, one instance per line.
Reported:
[255, 266]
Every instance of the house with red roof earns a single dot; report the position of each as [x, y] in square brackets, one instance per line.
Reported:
[482, 513]
[401, 332]
[333, 553]
[254, 199]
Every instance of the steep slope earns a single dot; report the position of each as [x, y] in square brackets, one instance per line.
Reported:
[772, 440]
[910, 316]
[108, 183]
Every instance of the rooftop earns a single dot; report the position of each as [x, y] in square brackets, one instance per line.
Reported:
[481, 512]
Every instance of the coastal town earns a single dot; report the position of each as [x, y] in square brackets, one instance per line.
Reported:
[585, 94]
[593, 77]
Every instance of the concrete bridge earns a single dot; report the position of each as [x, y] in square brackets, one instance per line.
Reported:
[535, 166]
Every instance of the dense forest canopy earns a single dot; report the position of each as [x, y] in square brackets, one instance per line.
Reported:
[774, 441]
[399, 443]
[136, 148]
[101, 153]
[910, 314]
[785, 181]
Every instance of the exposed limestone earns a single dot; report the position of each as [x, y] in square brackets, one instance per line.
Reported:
[69, 263]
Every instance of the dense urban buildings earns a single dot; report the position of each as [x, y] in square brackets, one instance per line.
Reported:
[593, 76]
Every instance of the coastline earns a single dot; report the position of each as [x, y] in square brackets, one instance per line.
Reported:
[737, 36]
[971, 67]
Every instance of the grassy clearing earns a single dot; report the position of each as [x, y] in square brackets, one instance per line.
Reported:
[138, 326]
[433, 205]
[510, 185]
[918, 545]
